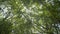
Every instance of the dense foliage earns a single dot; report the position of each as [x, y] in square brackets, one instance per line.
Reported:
[29, 16]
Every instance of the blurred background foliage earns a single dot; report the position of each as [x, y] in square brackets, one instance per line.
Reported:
[29, 16]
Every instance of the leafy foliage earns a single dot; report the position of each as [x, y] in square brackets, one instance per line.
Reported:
[32, 16]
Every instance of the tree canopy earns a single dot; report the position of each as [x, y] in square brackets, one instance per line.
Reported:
[29, 16]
